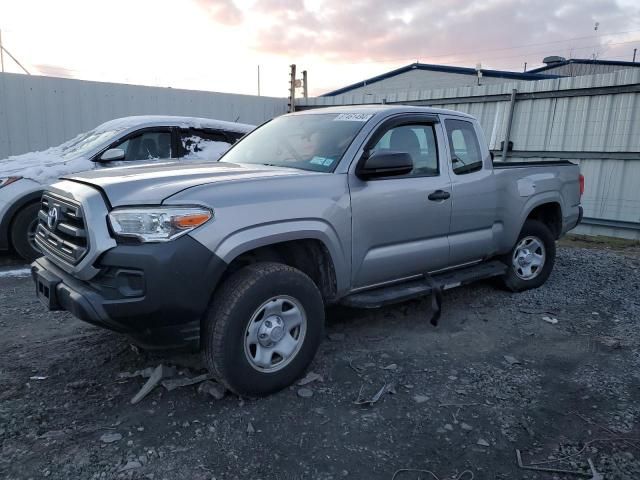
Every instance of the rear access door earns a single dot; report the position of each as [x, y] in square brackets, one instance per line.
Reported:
[401, 224]
[474, 229]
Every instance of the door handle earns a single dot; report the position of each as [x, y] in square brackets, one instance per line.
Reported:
[438, 195]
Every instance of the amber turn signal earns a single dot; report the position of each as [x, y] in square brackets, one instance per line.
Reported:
[191, 221]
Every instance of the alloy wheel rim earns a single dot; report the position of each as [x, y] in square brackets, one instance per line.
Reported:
[275, 333]
[528, 258]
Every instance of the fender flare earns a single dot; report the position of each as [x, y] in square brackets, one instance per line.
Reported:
[263, 235]
[7, 219]
[534, 202]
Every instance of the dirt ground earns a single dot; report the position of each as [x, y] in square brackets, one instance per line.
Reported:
[460, 398]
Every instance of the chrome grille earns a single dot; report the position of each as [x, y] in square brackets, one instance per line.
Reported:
[61, 229]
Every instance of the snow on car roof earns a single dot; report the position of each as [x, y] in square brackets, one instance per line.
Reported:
[141, 121]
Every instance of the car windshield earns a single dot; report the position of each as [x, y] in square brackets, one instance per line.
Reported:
[86, 142]
[308, 142]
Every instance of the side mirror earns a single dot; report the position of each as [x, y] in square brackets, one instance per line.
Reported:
[112, 155]
[387, 163]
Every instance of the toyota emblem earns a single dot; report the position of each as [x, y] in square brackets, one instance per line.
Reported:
[52, 218]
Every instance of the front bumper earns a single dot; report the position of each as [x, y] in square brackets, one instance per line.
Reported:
[155, 293]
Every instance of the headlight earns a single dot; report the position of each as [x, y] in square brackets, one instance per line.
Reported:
[157, 224]
[8, 181]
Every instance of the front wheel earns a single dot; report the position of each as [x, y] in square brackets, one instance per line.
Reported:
[531, 259]
[263, 328]
[23, 232]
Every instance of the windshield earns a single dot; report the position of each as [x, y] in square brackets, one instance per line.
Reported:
[307, 142]
[86, 142]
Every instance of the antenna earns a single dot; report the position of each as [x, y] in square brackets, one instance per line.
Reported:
[595, 55]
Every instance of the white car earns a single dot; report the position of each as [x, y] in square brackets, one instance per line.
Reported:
[114, 143]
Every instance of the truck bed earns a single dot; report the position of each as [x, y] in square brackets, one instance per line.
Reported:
[537, 163]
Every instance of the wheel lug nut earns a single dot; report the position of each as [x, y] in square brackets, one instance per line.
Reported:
[263, 335]
[267, 324]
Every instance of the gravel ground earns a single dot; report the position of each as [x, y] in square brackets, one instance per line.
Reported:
[493, 377]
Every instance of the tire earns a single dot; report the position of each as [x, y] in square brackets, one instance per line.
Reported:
[242, 344]
[23, 232]
[536, 239]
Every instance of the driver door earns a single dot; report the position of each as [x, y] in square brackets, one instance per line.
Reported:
[398, 231]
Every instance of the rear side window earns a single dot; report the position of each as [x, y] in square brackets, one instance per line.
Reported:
[465, 149]
[197, 144]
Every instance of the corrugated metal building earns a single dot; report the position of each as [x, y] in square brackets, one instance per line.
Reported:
[423, 76]
[575, 67]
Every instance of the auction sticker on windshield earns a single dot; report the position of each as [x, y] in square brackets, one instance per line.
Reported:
[353, 117]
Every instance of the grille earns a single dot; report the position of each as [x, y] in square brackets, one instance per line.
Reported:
[61, 229]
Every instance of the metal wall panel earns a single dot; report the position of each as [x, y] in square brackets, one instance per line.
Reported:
[39, 112]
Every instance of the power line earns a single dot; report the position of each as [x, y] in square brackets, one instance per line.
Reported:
[590, 37]
[542, 52]
[460, 54]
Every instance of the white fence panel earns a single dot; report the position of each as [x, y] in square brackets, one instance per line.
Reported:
[39, 112]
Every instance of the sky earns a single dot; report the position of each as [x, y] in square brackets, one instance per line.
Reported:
[217, 45]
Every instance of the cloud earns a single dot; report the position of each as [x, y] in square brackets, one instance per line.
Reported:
[224, 12]
[55, 71]
[468, 30]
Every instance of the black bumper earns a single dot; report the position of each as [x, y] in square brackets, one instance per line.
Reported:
[156, 293]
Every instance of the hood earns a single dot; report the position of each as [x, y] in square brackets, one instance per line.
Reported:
[152, 184]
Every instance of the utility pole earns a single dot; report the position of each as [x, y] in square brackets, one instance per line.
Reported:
[2, 52]
[304, 84]
[525, 66]
[258, 80]
[634, 54]
[292, 88]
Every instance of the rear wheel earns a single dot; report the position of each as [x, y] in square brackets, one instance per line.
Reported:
[263, 328]
[531, 259]
[23, 232]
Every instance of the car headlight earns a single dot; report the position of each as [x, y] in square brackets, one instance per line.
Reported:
[8, 181]
[157, 224]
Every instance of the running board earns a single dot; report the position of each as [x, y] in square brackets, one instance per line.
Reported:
[419, 288]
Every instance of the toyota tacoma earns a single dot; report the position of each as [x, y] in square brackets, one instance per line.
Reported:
[363, 206]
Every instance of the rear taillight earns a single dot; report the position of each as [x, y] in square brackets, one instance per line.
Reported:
[581, 184]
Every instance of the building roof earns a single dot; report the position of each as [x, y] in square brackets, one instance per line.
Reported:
[441, 68]
[584, 61]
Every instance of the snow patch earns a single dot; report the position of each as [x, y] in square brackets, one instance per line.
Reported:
[73, 156]
[200, 149]
[15, 273]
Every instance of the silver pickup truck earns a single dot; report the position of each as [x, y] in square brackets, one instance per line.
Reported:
[363, 206]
